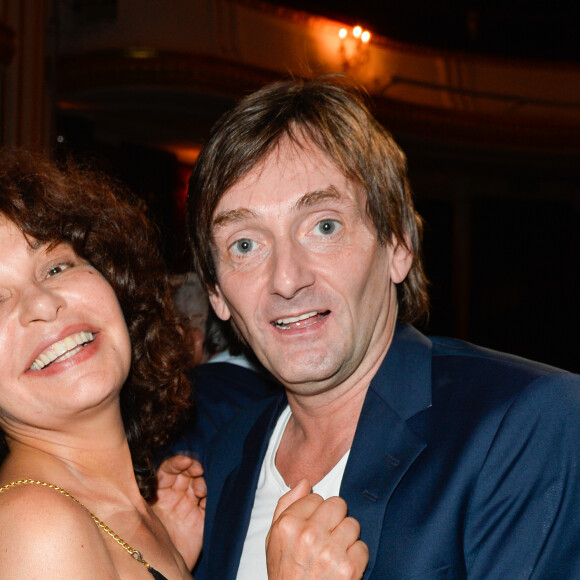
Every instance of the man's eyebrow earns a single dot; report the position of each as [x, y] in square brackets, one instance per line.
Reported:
[232, 216]
[315, 197]
[307, 200]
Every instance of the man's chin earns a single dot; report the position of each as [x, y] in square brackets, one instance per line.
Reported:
[307, 379]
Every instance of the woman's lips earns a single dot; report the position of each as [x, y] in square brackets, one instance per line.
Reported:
[62, 349]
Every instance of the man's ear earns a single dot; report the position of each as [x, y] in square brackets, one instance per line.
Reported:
[401, 260]
[219, 304]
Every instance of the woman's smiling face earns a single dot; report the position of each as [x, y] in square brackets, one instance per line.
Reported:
[64, 345]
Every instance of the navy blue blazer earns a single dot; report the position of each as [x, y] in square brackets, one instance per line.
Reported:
[465, 464]
[218, 391]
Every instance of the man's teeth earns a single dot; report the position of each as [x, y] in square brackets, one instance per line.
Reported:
[62, 349]
[285, 322]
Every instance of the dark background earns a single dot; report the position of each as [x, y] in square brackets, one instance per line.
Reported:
[517, 208]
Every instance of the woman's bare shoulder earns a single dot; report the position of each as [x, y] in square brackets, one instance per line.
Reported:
[43, 530]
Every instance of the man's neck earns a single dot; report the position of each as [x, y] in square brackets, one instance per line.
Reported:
[322, 427]
[302, 455]
[319, 432]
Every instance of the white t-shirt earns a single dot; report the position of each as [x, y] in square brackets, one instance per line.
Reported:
[271, 487]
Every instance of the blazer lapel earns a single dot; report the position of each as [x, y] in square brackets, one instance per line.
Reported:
[383, 449]
[236, 500]
[384, 446]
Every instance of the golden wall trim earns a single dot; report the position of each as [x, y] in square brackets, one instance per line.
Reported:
[478, 129]
[117, 71]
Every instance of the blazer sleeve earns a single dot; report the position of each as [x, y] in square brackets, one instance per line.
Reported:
[523, 518]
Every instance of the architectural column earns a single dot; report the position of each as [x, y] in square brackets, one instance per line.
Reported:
[26, 98]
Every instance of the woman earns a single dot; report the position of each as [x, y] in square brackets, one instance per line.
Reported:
[91, 360]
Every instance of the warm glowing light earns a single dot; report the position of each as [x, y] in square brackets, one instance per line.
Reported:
[342, 33]
[186, 153]
[357, 31]
[365, 36]
[141, 52]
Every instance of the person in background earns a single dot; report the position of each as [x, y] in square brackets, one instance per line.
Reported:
[457, 461]
[192, 305]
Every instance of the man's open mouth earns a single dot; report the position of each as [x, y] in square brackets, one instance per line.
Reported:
[302, 321]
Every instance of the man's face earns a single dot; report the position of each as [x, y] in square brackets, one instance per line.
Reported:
[302, 274]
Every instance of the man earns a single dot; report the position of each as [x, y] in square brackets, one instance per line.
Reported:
[458, 462]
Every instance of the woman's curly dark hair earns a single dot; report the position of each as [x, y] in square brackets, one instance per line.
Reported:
[107, 226]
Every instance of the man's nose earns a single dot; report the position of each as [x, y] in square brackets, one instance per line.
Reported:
[291, 269]
[40, 303]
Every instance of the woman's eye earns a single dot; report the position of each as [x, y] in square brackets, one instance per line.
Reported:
[243, 246]
[54, 270]
[327, 227]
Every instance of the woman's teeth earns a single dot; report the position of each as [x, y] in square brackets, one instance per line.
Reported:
[62, 349]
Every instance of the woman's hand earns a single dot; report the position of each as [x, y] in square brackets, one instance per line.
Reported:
[180, 504]
[313, 539]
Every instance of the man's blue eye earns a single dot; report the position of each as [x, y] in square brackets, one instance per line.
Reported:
[327, 227]
[244, 246]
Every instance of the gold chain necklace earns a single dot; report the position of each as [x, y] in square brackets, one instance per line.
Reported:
[134, 553]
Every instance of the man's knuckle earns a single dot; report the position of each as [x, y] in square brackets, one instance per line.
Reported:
[309, 535]
[286, 524]
[346, 569]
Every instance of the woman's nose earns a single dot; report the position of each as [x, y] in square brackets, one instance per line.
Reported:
[40, 303]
